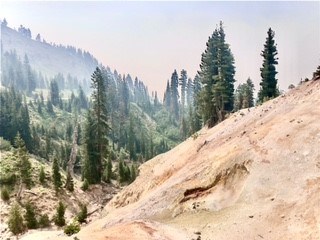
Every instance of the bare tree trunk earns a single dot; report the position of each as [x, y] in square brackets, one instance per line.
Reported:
[74, 149]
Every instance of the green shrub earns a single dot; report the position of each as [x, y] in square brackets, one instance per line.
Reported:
[107, 173]
[72, 228]
[44, 221]
[15, 222]
[42, 175]
[30, 216]
[85, 185]
[82, 215]
[4, 145]
[9, 179]
[59, 219]
[5, 195]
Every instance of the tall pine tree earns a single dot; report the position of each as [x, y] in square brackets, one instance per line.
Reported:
[96, 130]
[56, 175]
[217, 77]
[189, 92]
[54, 93]
[183, 84]
[174, 94]
[167, 97]
[268, 84]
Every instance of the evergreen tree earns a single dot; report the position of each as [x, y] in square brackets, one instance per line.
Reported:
[127, 173]
[167, 97]
[90, 172]
[316, 74]
[30, 216]
[36, 141]
[54, 93]
[14, 118]
[69, 182]
[4, 22]
[208, 70]
[50, 107]
[189, 92]
[5, 195]
[39, 108]
[196, 92]
[42, 175]
[99, 103]
[268, 84]
[15, 222]
[217, 77]
[183, 84]
[174, 94]
[38, 37]
[59, 219]
[83, 101]
[249, 92]
[96, 130]
[125, 96]
[48, 144]
[226, 70]
[121, 171]
[183, 128]
[83, 214]
[108, 171]
[24, 164]
[31, 83]
[56, 175]
[44, 221]
[156, 102]
[131, 139]
[133, 173]
[239, 95]
[24, 128]
[244, 95]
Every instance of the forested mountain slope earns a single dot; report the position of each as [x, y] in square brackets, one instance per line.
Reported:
[255, 175]
[49, 59]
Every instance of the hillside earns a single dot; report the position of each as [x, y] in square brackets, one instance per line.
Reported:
[47, 58]
[254, 176]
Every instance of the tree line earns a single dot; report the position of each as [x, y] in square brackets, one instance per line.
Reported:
[211, 95]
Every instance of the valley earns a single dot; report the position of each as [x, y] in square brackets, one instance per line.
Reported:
[213, 133]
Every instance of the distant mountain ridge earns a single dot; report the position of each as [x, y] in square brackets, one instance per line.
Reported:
[50, 59]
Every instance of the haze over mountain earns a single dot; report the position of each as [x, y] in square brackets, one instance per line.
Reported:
[47, 58]
[151, 39]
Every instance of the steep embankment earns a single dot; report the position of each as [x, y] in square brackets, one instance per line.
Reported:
[254, 176]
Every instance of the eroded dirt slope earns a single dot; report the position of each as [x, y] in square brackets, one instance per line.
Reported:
[254, 176]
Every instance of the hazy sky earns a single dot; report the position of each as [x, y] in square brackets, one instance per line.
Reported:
[151, 39]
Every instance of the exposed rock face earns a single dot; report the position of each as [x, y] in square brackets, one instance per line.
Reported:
[254, 176]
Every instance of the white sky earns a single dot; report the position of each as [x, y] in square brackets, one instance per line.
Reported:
[151, 39]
